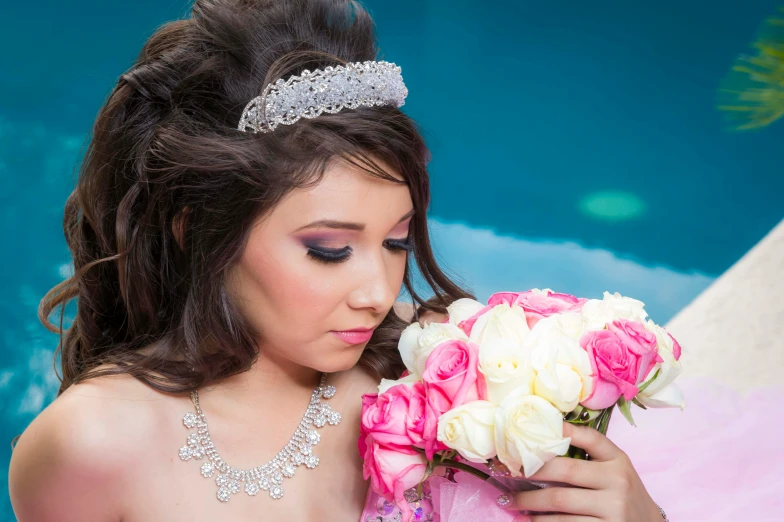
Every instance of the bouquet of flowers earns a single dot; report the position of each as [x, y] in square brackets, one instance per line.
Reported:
[487, 390]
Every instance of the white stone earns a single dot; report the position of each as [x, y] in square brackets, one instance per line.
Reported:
[189, 420]
[207, 469]
[224, 495]
[276, 492]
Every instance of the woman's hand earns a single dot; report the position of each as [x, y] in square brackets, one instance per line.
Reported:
[608, 488]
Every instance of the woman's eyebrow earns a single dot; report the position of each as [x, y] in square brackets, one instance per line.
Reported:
[331, 223]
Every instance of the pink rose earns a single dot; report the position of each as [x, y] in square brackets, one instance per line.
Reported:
[676, 348]
[397, 416]
[538, 304]
[616, 365]
[468, 324]
[451, 379]
[392, 470]
[640, 341]
[437, 405]
[451, 370]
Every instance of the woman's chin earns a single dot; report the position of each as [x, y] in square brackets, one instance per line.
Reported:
[342, 360]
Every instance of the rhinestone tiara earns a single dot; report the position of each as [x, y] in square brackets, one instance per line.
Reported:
[331, 90]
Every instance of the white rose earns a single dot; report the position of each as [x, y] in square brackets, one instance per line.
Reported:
[501, 321]
[599, 312]
[505, 367]
[388, 383]
[528, 433]
[670, 396]
[563, 369]
[417, 343]
[662, 392]
[541, 291]
[462, 309]
[469, 429]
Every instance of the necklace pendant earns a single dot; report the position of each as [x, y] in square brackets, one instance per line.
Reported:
[276, 492]
[251, 488]
[207, 469]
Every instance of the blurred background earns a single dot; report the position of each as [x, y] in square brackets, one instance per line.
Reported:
[579, 146]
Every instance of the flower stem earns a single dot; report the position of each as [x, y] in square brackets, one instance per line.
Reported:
[600, 424]
[448, 463]
[604, 420]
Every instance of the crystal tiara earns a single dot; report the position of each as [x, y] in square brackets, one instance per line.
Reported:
[331, 90]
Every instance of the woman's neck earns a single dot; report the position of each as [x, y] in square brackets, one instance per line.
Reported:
[268, 386]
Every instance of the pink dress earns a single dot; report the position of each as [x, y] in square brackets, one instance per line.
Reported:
[719, 460]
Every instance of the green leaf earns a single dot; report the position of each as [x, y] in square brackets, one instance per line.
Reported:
[603, 422]
[649, 381]
[625, 408]
[638, 403]
[581, 415]
[429, 469]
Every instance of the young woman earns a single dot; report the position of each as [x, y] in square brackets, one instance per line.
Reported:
[238, 254]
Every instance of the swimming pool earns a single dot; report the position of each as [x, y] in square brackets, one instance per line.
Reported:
[575, 147]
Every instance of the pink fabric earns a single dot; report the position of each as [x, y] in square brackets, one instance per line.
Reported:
[719, 460]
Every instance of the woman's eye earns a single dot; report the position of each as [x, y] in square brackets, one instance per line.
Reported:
[400, 244]
[327, 255]
[330, 255]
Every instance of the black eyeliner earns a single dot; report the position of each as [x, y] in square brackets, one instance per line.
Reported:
[326, 255]
[329, 255]
[404, 244]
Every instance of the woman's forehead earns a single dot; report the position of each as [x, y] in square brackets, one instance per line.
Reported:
[345, 193]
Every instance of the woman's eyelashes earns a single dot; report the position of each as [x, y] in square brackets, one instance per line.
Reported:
[329, 255]
[406, 244]
[337, 255]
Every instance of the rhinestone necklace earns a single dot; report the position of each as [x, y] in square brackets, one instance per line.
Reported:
[268, 477]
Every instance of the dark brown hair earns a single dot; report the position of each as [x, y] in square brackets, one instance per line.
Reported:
[168, 189]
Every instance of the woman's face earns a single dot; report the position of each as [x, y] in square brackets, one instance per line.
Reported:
[327, 258]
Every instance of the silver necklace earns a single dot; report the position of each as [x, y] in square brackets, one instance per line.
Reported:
[267, 477]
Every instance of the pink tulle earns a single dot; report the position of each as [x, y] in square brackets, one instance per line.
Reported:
[468, 500]
[719, 460]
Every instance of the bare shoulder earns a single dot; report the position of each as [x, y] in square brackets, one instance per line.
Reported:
[71, 462]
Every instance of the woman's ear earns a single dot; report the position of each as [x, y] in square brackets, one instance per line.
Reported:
[180, 225]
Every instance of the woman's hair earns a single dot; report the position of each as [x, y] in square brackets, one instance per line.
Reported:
[168, 190]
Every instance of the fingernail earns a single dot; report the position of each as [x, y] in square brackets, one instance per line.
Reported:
[503, 500]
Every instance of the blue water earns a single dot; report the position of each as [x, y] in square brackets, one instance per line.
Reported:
[576, 146]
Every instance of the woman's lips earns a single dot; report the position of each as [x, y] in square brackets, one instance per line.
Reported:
[354, 336]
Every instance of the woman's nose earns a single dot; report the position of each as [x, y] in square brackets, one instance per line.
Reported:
[375, 290]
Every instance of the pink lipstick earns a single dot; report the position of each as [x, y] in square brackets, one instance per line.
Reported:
[357, 336]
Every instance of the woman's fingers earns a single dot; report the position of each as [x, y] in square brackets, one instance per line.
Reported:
[555, 499]
[594, 443]
[581, 473]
